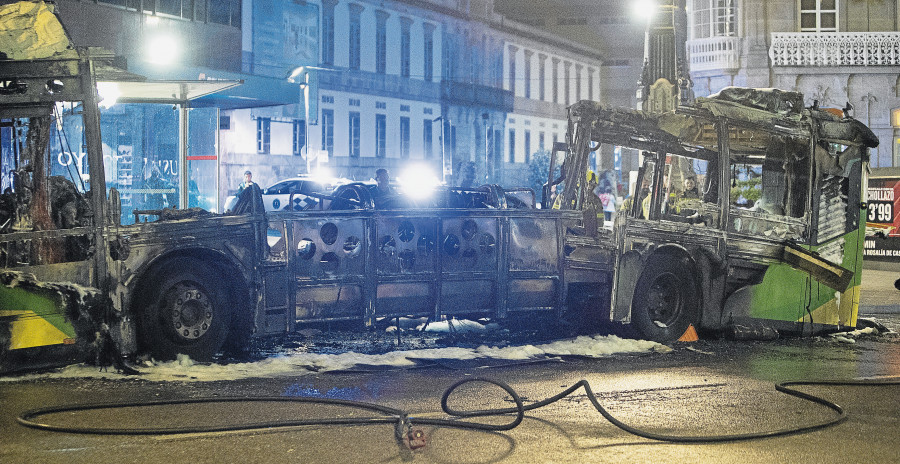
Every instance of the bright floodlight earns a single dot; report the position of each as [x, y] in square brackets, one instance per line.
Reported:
[418, 182]
[109, 93]
[643, 9]
[162, 49]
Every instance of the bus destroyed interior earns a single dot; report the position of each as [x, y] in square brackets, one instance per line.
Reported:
[746, 215]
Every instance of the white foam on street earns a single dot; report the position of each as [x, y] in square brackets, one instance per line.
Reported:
[183, 369]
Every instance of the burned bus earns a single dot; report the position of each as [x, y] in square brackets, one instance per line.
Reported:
[80, 277]
[748, 215]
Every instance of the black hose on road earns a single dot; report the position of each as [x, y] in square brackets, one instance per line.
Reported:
[403, 422]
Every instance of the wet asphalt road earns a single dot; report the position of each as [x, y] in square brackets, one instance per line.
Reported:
[703, 388]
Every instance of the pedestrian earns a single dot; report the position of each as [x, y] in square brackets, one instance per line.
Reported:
[383, 183]
[159, 192]
[466, 174]
[383, 192]
[593, 208]
[249, 197]
[248, 181]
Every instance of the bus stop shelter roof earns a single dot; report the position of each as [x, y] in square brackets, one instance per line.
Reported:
[172, 92]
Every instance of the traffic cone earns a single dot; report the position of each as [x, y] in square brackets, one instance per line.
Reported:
[690, 335]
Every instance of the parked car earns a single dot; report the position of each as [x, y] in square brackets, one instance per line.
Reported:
[278, 196]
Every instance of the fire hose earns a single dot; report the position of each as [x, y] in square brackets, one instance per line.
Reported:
[405, 425]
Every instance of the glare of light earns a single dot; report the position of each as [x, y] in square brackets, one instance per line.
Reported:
[162, 49]
[109, 93]
[151, 20]
[322, 175]
[418, 182]
[643, 9]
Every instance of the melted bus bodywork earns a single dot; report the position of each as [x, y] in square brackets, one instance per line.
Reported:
[770, 235]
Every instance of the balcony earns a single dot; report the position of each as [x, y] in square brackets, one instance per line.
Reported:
[465, 94]
[714, 54]
[835, 49]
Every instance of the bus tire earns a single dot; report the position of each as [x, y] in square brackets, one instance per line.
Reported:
[185, 311]
[666, 299]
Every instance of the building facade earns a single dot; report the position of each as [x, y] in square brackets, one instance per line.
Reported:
[350, 86]
[434, 83]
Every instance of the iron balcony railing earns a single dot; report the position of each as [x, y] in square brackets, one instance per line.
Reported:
[714, 53]
[835, 49]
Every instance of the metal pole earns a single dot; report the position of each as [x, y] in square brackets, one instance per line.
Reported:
[183, 172]
[218, 159]
[443, 150]
[487, 154]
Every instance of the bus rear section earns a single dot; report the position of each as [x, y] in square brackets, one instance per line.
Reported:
[747, 215]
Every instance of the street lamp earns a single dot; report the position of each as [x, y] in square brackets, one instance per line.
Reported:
[301, 75]
[487, 155]
[444, 169]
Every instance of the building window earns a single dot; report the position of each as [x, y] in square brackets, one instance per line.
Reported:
[512, 146]
[578, 82]
[427, 138]
[527, 147]
[541, 141]
[714, 18]
[380, 105]
[512, 69]
[404, 108]
[591, 84]
[567, 77]
[327, 33]
[224, 122]
[449, 59]
[405, 24]
[227, 12]
[527, 69]
[497, 62]
[263, 135]
[497, 146]
[428, 53]
[328, 131]
[380, 136]
[404, 137]
[542, 72]
[818, 15]
[299, 136]
[381, 42]
[355, 35]
[353, 124]
[555, 80]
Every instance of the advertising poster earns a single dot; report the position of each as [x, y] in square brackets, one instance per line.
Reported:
[883, 220]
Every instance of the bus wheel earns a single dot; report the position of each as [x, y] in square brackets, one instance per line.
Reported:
[184, 312]
[665, 300]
